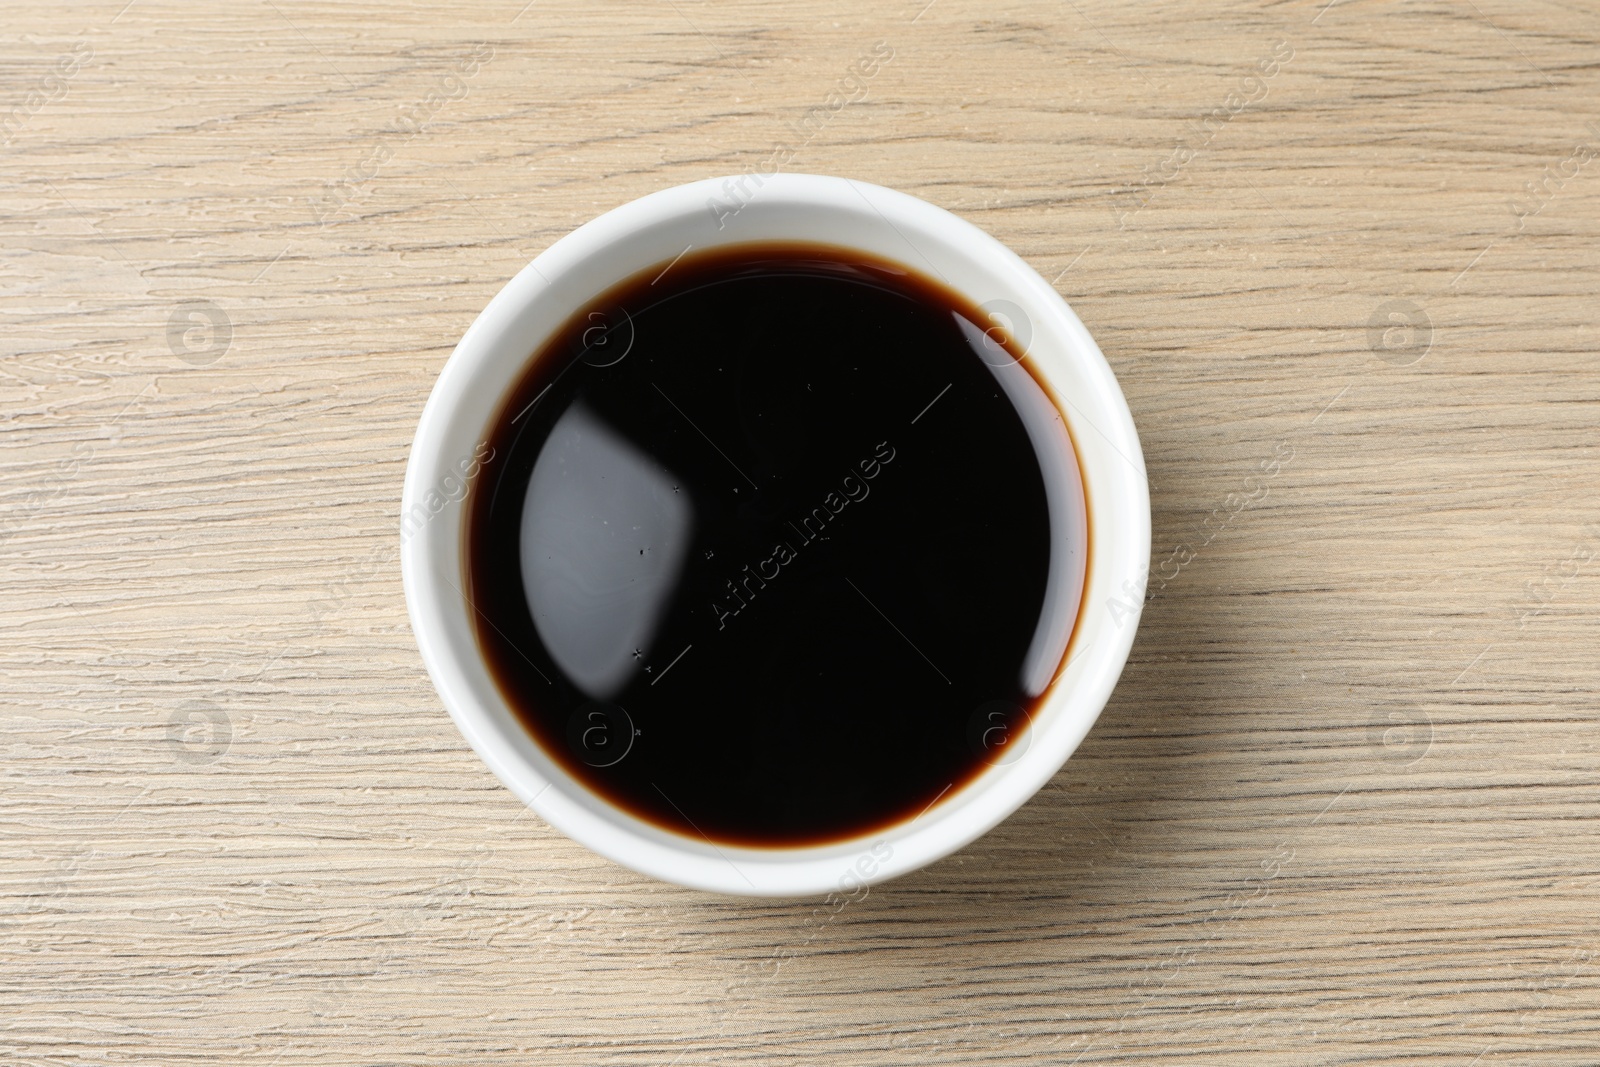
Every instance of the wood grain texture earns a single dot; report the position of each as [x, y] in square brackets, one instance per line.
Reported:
[1342, 808]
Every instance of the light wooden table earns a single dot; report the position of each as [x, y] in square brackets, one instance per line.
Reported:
[1343, 806]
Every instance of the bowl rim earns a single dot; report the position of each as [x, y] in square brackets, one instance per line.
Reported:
[529, 306]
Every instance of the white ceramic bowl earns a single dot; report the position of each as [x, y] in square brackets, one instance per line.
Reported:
[722, 211]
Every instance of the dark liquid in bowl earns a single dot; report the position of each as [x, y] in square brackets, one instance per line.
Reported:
[764, 552]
